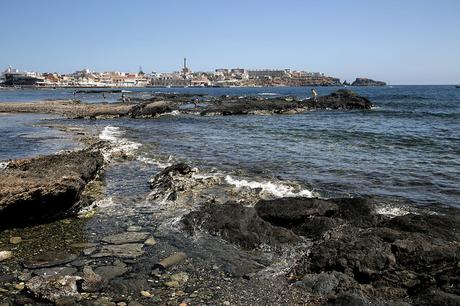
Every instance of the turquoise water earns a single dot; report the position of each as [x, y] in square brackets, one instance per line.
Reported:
[407, 146]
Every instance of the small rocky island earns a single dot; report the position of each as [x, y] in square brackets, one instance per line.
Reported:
[367, 82]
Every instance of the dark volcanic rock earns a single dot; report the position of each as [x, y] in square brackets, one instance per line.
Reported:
[392, 259]
[245, 106]
[367, 82]
[47, 187]
[171, 180]
[150, 109]
[237, 224]
[341, 99]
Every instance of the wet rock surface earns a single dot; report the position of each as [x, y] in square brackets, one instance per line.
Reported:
[47, 187]
[160, 104]
[237, 224]
[342, 99]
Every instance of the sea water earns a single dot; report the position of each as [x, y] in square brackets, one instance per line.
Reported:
[407, 146]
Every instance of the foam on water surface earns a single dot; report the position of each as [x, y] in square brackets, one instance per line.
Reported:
[279, 190]
[119, 145]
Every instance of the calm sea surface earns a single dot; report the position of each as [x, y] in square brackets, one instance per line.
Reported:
[408, 145]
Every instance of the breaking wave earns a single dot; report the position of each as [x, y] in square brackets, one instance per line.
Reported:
[279, 190]
[119, 145]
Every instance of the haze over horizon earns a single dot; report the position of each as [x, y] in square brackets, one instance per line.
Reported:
[408, 42]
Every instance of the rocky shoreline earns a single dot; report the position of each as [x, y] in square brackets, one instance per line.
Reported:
[44, 188]
[196, 239]
[161, 104]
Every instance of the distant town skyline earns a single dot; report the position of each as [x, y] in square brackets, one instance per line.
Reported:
[401, 42]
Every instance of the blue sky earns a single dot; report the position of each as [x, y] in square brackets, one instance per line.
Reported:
[402, 42]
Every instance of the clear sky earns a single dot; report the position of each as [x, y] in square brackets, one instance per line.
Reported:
[399, 41]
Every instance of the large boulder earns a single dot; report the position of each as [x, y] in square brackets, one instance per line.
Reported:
[341, 99]
[237, 224]
[46, 187]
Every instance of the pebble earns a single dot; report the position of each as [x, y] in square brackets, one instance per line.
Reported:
[25, 276]
[19, 286]
[4, 255]
[181, 277]
[146, 293]
[121, 304]
[150, 242]
[226, 303]
[172, 284]
[15, 240]
[134, 228]
[183, 304]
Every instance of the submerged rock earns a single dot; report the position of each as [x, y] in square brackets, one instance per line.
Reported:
[47, 187]
[128, 250]
[49, 259]
[128, 237]
[112, 271]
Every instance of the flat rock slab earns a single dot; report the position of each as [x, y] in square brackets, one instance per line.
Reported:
[44, 188]
[50, 259]
[128, 237]
[111, 271]
[129, 250]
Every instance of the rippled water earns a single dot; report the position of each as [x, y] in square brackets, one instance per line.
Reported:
[409, 145]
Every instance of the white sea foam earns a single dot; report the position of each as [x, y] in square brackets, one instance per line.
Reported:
[3, 165]
[113, 135]
[173, 113]
[279, 190]
[158, 163]
[105, 202]
[391, 211]
[267, 94]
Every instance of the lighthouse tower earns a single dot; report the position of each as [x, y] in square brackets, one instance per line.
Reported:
[185, 70]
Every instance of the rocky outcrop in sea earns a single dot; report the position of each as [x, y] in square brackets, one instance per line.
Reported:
[367, 82]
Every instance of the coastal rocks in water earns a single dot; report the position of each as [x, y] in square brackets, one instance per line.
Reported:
[341, 99]
[53, 288]
[77, 109]
[237, 224]
[150, 109]
[390, 258]
[47, 187]
[313, 217]
[128, 237]
[253, 105]
[367, 82]
[175, 180]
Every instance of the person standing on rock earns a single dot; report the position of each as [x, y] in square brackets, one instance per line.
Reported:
[314, 94]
